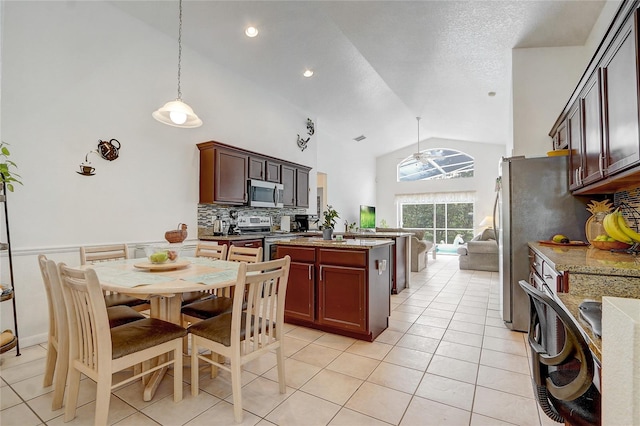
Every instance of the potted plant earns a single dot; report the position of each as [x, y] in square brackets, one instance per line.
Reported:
[7, 176]
[330, 216]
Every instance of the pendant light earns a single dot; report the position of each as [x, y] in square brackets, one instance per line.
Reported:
[177, 113]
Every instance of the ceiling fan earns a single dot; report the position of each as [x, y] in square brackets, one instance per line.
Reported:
[423, 157]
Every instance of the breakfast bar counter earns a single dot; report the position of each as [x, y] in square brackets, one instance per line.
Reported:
[342, 287]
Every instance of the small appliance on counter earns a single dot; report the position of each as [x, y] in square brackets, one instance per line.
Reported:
[217, 226]
[285, 224]
[306, 222]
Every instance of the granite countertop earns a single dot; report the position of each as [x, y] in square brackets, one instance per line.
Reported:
[229, 237]
[590, 260]
[571, 303]
[360, 234]
[344, 244]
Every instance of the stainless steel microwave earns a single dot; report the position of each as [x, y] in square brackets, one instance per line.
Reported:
[265, 194]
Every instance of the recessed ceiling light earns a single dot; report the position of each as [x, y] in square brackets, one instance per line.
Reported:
[307, 73]
[491, 94]
[251, 31]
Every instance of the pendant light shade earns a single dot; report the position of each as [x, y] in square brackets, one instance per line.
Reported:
[177, 113]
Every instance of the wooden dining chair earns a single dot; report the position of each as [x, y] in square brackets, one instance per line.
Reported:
[98, 351]
[58, 340]
[97, 254]
[253, 328]
[221, 302]
[210, 250]
[244, 254]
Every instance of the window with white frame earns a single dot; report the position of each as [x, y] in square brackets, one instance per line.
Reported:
[443, 215]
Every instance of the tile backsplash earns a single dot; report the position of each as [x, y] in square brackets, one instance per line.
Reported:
[208, 212]
[630, 198]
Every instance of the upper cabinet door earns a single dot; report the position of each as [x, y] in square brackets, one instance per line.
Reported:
[574, 136]
[289, 182]
[257, 168]
[231, 176]
[593, 168]
[302, 188]
[273, 172]
[620, 100]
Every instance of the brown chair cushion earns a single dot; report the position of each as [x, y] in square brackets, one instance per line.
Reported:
[218, 329]
[208, 308]
[136, 336]
[193, 296]
[115, 299]
[120, 315]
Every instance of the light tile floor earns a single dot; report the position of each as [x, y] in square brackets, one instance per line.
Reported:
[446, 359]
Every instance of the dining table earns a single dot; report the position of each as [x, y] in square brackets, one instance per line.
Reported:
[164, 285]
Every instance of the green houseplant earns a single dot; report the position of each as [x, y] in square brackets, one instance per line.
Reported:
[330, 216]
[7, 175]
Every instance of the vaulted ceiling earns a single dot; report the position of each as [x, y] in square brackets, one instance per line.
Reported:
[379, 64]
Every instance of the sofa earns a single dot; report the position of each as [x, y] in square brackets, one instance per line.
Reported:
[419, 246]
[481, 253]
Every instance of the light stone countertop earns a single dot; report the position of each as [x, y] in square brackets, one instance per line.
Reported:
[344, 244]
[571, 304]
[590, 260]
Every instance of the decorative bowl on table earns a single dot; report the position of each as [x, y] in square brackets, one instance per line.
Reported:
[159, 254]
[610, 245]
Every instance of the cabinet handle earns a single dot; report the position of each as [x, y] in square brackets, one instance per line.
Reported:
[321, 266]
[310, 268]
[548, 276]
[248, 244]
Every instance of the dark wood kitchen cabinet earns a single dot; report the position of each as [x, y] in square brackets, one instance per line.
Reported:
[620, 101]
[296, 186]
[224, 170]
[574, 136]
[300, 303]
[602, 116]
[343, 291]
[592, 169]
[302, 187]
[341, 300]
[262, 169]
[223, 174]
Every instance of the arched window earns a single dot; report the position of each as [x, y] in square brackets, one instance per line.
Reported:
[435, 163]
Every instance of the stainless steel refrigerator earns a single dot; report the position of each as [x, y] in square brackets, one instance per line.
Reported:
[533, 203]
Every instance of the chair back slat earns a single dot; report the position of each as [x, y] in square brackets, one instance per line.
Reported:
[96, 254]
[52, 304]
[244, 254]
[87, 316]
[262, 318]
[212, 251]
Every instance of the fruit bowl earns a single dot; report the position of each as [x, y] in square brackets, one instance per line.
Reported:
[610, 245]
[159, 254]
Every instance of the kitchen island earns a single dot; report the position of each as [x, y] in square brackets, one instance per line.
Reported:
[342, 287]
[400, 255]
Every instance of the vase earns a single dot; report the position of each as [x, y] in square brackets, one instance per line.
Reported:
[326, 233]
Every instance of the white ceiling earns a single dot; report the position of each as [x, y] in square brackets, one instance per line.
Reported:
[379, 64]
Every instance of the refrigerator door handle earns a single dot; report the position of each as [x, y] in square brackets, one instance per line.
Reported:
[495, 212]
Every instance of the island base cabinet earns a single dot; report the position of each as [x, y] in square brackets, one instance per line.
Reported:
[300, 300]
[341, 299]
[346, 292]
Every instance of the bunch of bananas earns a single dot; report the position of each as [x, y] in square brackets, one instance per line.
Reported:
[617, 227]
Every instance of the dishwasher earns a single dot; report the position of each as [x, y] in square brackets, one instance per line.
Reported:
[270, 243]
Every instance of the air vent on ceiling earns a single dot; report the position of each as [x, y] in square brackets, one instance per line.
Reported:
[360, 138]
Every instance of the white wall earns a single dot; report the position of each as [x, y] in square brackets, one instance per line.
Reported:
[486, 158]
[77, 72]
[543, 79]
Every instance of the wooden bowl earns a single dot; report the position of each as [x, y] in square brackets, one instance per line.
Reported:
[610, 245]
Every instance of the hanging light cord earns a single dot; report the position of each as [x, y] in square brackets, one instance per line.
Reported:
[418, 119]
[180, 52]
